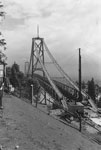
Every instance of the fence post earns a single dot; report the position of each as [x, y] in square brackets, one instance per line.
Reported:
[80, 119]
[1, 95]
[36, 101]
[32, 94]
[80, 122]
[20, 91]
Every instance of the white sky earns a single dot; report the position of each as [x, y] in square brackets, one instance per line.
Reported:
[65, 25]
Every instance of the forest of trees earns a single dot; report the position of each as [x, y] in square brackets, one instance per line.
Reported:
[20, 82]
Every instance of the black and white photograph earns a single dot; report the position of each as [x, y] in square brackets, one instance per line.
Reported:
[50, 74]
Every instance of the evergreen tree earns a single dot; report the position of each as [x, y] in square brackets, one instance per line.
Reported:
[91, 89]
[8, 71]
[83, 85]
[15, 75]
[14, 79]
[15, 67]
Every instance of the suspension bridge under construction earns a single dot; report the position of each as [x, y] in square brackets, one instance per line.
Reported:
[58, 99]
[61, 93]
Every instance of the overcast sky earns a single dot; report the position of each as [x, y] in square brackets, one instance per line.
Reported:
[65, 25]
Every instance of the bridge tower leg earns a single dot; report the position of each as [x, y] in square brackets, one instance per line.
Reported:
[37, 45]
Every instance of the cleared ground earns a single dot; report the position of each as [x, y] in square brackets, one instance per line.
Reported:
[31, 129]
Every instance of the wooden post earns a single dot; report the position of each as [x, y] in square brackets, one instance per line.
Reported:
[45, 97]
[78, 113]
[32, 94]
[20, 91]
[1, 95]
[80, 122]
[36, 101]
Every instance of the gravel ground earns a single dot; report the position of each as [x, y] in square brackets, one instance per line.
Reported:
[24, 127]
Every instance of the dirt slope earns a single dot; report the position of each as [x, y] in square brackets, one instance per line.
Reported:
[32, 129]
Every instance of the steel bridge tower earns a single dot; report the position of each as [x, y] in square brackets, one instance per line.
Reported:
[37, 51]
[37, 46]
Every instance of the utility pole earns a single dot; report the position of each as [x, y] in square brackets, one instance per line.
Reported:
[80, 95]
